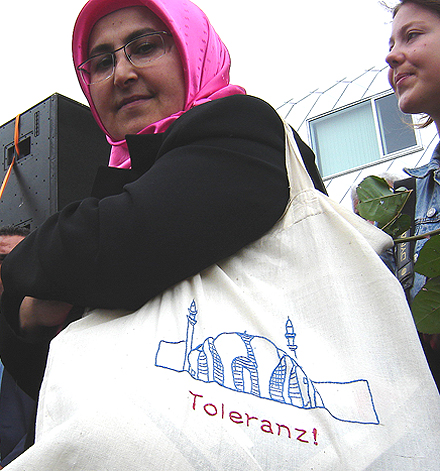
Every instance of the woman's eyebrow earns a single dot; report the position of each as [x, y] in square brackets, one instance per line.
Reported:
[411, 24]
[404, 29]
[108, 47]
[139, 32]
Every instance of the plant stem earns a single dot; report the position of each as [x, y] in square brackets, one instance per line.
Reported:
[417, 237]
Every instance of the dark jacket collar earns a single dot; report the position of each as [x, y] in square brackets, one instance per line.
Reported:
[143, 150]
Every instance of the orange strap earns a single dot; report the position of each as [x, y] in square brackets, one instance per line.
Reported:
[17, 153]
[17, 134]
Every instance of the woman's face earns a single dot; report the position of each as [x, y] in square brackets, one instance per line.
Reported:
[414, 60]
[134, 97]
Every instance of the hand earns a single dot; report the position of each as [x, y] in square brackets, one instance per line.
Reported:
[433, 340]
[39, 317]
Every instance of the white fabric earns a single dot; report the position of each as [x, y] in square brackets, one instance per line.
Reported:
[297, 353]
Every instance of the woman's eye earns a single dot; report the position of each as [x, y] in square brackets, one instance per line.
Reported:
[144, 48]
[412, 34]
[103, 62]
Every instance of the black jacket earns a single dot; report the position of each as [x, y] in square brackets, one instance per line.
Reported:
[211, 184]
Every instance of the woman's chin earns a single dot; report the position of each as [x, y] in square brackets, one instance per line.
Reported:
[409, 106]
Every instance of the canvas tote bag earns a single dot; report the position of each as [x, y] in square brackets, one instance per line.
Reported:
[297, 353]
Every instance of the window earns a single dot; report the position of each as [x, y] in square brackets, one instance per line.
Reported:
[360, 134]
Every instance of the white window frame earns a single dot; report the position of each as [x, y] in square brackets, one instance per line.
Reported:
[383, 157]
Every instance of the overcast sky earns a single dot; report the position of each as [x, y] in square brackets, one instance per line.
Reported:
[280, 49]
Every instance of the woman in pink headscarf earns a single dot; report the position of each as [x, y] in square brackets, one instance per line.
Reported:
[199, 55]
[196, 172]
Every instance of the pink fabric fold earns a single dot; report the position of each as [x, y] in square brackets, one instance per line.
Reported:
[205, 59]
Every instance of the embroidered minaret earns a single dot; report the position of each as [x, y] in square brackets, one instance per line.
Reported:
[192, 313]
[290, 336]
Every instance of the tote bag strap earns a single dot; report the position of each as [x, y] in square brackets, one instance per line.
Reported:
[404, 252]
[299, 179]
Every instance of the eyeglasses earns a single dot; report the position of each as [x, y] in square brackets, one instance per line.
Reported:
[140, 51]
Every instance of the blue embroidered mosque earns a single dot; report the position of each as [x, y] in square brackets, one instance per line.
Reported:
[251, 364]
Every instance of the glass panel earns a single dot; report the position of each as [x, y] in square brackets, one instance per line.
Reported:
[345, 139]
[395, 126]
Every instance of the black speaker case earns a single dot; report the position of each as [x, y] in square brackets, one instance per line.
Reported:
[61, 148]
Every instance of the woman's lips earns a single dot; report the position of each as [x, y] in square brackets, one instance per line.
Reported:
[132, 101]
[400, 77]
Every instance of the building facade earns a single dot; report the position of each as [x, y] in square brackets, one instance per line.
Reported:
[356, 129]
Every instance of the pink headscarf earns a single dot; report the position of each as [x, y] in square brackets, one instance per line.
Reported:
[205, 59]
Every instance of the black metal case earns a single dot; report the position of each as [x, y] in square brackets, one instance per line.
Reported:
[61, 147]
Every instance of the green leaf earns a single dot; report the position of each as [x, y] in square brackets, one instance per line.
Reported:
[426, 307]
[428, 261]
[398, 226]
[380, 203]
[372, 187]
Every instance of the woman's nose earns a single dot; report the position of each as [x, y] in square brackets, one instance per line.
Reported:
[124, 70]
[394, 57]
